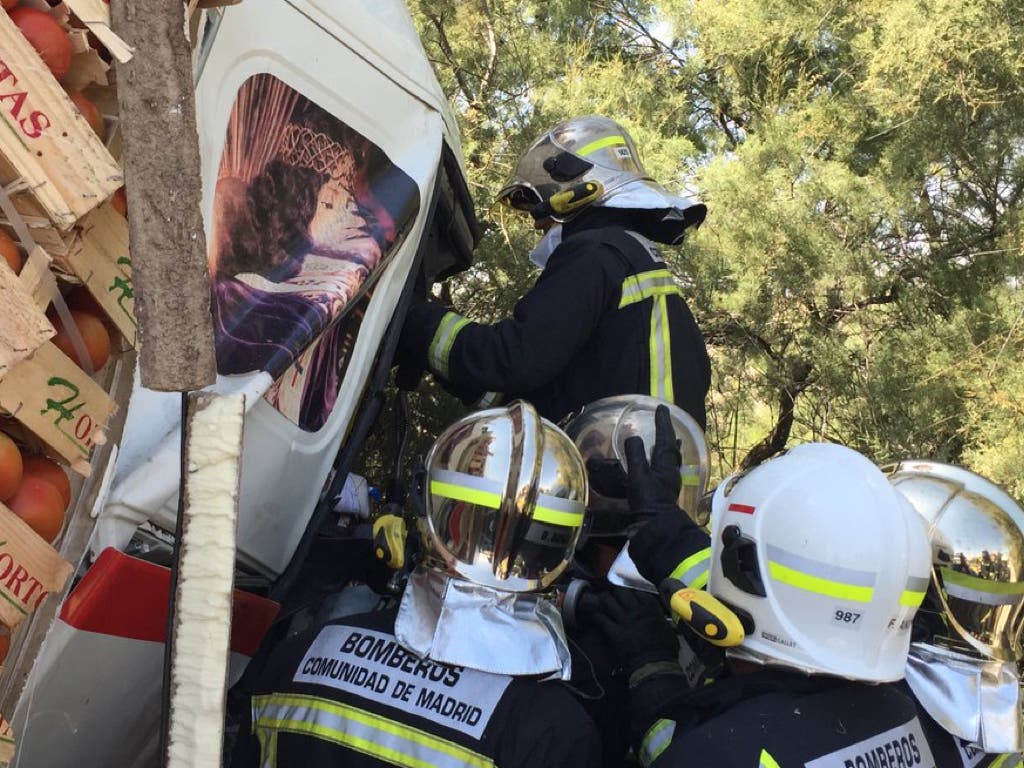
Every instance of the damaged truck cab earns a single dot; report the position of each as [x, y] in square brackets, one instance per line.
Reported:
[332, 186]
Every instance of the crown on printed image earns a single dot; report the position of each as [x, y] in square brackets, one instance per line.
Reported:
[305, 148]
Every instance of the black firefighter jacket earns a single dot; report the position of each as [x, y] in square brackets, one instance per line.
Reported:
[605, 317]
[346, 695]
[780, 719]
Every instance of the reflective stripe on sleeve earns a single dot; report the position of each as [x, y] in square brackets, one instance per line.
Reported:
[965, 586]
[489, 400]
[766, 760]
[441, 345]
[693, 569]
[656, 740]
[460, 486]
[558, 511]
[1009, 760]
[822, 578]
[356, 729]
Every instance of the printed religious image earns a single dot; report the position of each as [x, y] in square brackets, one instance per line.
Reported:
[306, 214]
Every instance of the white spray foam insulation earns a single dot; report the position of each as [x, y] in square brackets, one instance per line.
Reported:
[205, 580]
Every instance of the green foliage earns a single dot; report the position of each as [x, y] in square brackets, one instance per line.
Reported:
[863, 162]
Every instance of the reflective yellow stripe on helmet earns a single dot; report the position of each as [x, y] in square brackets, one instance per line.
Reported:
[357, 729]
[607, 141]
[823, 578]
[558, 511]
[766, 760]
[460, 486]
[462, 493]
[966, 586]
[822, 586]
[914, 592]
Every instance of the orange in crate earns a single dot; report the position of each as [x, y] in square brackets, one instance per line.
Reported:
[10, 251]
[46, 36]
[94, 333]
[40, 505]
[50, 471]
[11, 467]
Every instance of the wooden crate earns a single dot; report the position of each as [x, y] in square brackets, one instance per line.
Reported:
[44, 140]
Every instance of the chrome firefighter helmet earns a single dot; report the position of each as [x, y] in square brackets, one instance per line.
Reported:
[600, 432]
[506, 498]
[977, 535]
[593, 154]
[823, 559]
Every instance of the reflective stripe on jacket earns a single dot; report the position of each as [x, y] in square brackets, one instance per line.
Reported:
[606, 317]
[347, 695]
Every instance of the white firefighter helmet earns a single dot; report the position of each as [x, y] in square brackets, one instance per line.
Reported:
[826, 560]
[600, 432]
[506, 498]
[591, 149]
[977, 535]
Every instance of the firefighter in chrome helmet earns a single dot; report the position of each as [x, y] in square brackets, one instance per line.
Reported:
[606, 316]
[825, 564]
[506, 499]
[602, 432]
[454, 677]
[963, 667]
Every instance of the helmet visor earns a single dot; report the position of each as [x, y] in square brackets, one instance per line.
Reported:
[531, 183]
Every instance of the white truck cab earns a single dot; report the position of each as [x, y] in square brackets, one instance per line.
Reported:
[332, 183]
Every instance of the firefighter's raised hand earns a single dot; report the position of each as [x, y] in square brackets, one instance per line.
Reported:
[654, 485]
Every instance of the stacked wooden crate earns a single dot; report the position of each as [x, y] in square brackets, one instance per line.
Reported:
[57, 178]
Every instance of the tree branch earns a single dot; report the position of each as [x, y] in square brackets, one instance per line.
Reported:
[492, 57]
[775, 441]
[449, 54]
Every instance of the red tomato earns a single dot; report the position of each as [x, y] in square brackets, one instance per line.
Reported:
[46, 36]
[120, 202]
[39, 504]
[10, 251]
[11, 467]
[8, 4]
[90, 112]
[94, 334]
[50, 471]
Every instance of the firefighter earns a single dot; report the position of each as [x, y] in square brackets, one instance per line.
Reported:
[825, 565]
[606, 316]
[469, 670]
[599, 432]
[963, 665]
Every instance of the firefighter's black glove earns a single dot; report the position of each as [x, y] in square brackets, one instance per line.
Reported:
[649, 486]
[666, 542]
[636, 629]
[421, 322]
